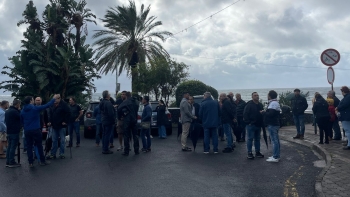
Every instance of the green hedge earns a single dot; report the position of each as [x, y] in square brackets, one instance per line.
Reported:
[194, 87]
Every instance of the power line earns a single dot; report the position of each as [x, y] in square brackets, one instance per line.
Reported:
[256, 63]
[207, 17]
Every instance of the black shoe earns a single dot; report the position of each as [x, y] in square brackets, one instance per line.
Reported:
[233, 146]
[327, 142]
[45, 163]
[107, 152]
[186, 149]
[241, 140]
[296, 137]
[346, 148]
[144, 150]
[125, 154]
[250, 155]
[69, 146]
[227, 150]
[148, 150]
[259, 155]
[137, 152]
[51, 157]
[320, 143]
[14, 165]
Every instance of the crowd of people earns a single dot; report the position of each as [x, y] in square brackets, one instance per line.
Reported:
[238, 120]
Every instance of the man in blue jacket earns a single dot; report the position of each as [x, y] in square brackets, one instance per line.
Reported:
[30, 119]
[209, 113]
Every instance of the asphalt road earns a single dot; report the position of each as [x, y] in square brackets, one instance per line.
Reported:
[166, 171]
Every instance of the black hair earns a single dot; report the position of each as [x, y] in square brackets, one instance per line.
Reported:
[105, 94]
[253, 93]
[297, 90]
[73, 98]
[146, 98]
[128, 94]
[162, 101]
[27, 100]
[272, 94]
[16, 102]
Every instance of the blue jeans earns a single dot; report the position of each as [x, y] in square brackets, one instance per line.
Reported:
[146, 144]
[253, 132]
[228, 133]
[24, 142]
[346, 126]
[55, 134]
[76, 127]
[34, 137]
[273, 131]
[98, 131]
[12, 143]
[214, 134]
[107, 129]
[161, 131]
[299, 123]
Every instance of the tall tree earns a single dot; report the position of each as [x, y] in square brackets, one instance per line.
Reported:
[48, 62]
[128, 33]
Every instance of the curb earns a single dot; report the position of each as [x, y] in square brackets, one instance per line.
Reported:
[326, 156]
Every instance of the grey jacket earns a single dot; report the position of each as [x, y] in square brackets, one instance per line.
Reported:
[186, 111]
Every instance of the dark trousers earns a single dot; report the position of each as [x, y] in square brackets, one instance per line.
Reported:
[130, 131]
[324, 126]
[34, 137]
[241, 126]
[107, 129]
[12, 142]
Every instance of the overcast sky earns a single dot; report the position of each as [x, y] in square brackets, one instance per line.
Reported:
[252, 44]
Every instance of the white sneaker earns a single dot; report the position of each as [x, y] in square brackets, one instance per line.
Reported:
[216, 152]
[151, 136]
[206, 152]
[272, 160]
[270, 157]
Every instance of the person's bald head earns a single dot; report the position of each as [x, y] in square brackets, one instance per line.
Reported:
[223, 96]
[238, 96]
[231, 94]
[38, 100]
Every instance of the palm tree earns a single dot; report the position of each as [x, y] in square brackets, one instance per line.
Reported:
[129, 38]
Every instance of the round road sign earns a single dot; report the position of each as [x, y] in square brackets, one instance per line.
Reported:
[330, 75]
[330, 57]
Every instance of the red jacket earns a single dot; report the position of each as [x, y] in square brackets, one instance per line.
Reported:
[331, 110]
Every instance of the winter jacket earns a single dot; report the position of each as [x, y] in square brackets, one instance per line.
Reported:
[336, 101]
[320, 109]
[2, 121]
[252, 115]
[240, 107]
[107, 112]
[13, 120]
[131, 106]
[299, 105]
[186, 111]
[162, 119]
[30, 116]
[228, 112]
[74, 112]
[97, 114]
[59, 114]
[209, 113]
[272, 113]
[331, 110]
[344, 108]
[146, 113]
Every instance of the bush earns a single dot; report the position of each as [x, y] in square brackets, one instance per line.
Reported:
[194, 87]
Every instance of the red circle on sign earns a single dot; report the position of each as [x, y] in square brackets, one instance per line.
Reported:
[330, 75]
[330, 57]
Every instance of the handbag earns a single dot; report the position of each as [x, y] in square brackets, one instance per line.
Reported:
[145, 125]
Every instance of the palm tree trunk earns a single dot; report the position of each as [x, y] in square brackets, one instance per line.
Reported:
[133, 79]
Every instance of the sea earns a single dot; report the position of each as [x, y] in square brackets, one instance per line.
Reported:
[246, 93]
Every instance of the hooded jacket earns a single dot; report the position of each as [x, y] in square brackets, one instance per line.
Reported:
[272, 113]
[320, 108]
[30, 116]
[240, 107]
[252, 115]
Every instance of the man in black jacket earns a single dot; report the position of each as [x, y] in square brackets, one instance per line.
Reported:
[254, 120]
[239, 116]
[228, 112]
[13, 124]
[74, 121]
[58, 120]
[108, 120]
[336, 128]
[129, 109]
[299, 105]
